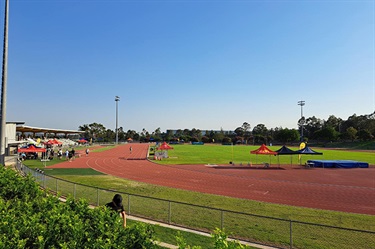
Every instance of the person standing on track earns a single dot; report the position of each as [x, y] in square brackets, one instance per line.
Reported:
[130, 149]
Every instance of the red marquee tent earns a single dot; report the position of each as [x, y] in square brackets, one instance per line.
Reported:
[82, 141]
[263, 150]
[49, 143]
[165, 146]
[57, 142]
[31, 148]
[53, 141]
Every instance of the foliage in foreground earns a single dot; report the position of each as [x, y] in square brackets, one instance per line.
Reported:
[29, 219]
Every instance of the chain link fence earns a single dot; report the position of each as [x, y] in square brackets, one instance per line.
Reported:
[280, 233]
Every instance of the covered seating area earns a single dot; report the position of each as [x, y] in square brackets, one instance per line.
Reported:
[29, 129]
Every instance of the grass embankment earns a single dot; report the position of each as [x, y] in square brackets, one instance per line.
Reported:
[357, 145]
[223, 154]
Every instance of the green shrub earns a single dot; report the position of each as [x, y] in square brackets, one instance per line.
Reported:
[31, 219]
[13, 186]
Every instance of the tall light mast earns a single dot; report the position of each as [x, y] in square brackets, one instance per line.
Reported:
[117, 99]
[4, 86]
[301, 123]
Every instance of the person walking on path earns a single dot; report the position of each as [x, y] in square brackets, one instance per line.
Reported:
[116, 205]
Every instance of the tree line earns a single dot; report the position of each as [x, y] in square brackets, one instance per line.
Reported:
[355, 127]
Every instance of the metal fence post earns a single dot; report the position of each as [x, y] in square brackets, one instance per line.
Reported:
[222, 220]
[129, 204]
[74, 191]
[169, 212]
[97, 196]
[291, 234]
[56, 186]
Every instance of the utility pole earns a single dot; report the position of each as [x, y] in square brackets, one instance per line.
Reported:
[4, 86]
[117, 99]
[301, 103]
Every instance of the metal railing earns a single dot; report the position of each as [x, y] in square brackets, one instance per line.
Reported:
[281, 233]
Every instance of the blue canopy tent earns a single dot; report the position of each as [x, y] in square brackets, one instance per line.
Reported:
[307, 151]
[285, 151]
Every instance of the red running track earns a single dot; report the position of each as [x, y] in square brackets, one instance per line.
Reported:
[346, 190]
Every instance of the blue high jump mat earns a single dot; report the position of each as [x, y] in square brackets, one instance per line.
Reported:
[347, 164]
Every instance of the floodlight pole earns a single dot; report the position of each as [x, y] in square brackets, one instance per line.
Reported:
[117, 99]
[301, 103]
[232, 153]
[4, 86]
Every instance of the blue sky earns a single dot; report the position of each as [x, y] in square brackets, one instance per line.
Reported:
[188, 64]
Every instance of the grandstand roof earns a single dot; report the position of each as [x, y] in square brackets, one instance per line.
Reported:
[25, 128]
